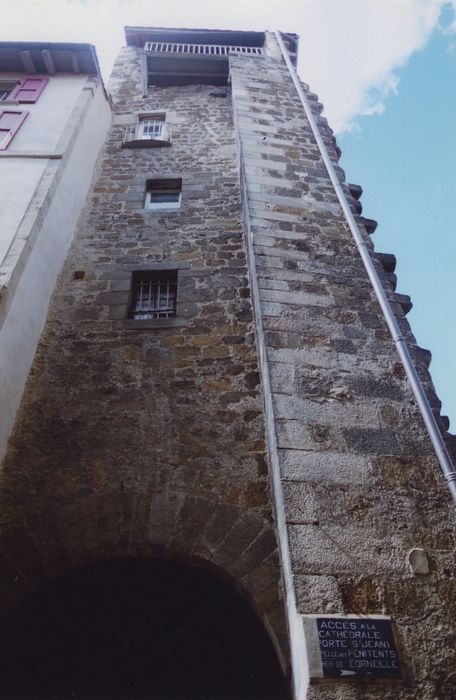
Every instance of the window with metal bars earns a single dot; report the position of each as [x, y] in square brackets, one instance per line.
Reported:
[5, 90]
[150, 129]
[154, 295]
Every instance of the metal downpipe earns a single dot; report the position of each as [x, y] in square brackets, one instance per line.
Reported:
[417, 387]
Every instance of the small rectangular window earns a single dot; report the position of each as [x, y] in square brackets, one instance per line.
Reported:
[6, 87]
[154, 295]
[163, 194]
[150, 131]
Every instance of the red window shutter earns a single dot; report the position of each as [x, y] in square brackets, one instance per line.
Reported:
[28, 89]
[10, 123]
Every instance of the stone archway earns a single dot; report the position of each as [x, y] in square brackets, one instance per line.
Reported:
[137, 628]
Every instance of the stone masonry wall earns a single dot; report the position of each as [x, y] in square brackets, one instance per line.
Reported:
[143, 441]
[361, 483]
[136, 440]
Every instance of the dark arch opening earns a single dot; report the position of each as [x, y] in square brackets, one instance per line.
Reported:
[138, 629]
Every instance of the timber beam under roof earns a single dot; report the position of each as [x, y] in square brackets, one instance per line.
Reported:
[48, 58]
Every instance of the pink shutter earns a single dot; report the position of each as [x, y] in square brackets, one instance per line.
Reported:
[28, 89]
[10, 123]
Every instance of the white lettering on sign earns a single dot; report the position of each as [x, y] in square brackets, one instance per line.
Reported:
[357, 647]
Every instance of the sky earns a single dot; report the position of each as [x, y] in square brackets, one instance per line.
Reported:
[385, 71]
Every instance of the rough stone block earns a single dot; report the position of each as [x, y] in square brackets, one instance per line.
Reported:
[317, 594]
[336, 550]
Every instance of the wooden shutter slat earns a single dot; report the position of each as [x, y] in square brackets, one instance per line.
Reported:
[10, 123]
[28, 90]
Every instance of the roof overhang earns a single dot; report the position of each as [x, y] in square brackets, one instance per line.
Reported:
[137, 36]
[48, 58]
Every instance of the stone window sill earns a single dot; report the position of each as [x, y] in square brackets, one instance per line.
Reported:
[146, 143]
[132, 324]
[49, 155]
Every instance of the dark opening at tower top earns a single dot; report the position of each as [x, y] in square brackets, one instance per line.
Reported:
[138, 36]
[205, 53]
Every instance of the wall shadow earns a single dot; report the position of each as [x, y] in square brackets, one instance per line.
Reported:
[137, 628]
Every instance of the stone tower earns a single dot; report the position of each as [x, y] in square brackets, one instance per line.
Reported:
[219, 484]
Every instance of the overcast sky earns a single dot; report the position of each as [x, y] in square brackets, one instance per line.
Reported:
[350, 49]
[369, 61]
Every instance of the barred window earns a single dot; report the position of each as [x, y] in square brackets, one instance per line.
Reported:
[5, 89]
[150, 129]
[154, 294]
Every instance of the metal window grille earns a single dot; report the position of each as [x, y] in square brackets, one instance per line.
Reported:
[5, 90]
[146, 130]
[154, 295]
[150, 129]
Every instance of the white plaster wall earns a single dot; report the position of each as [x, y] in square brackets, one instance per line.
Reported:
[27, 313]
[19, 178]
[48, 116]
[39, 133]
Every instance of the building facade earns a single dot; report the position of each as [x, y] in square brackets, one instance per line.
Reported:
[216, 390]
[54, 116]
